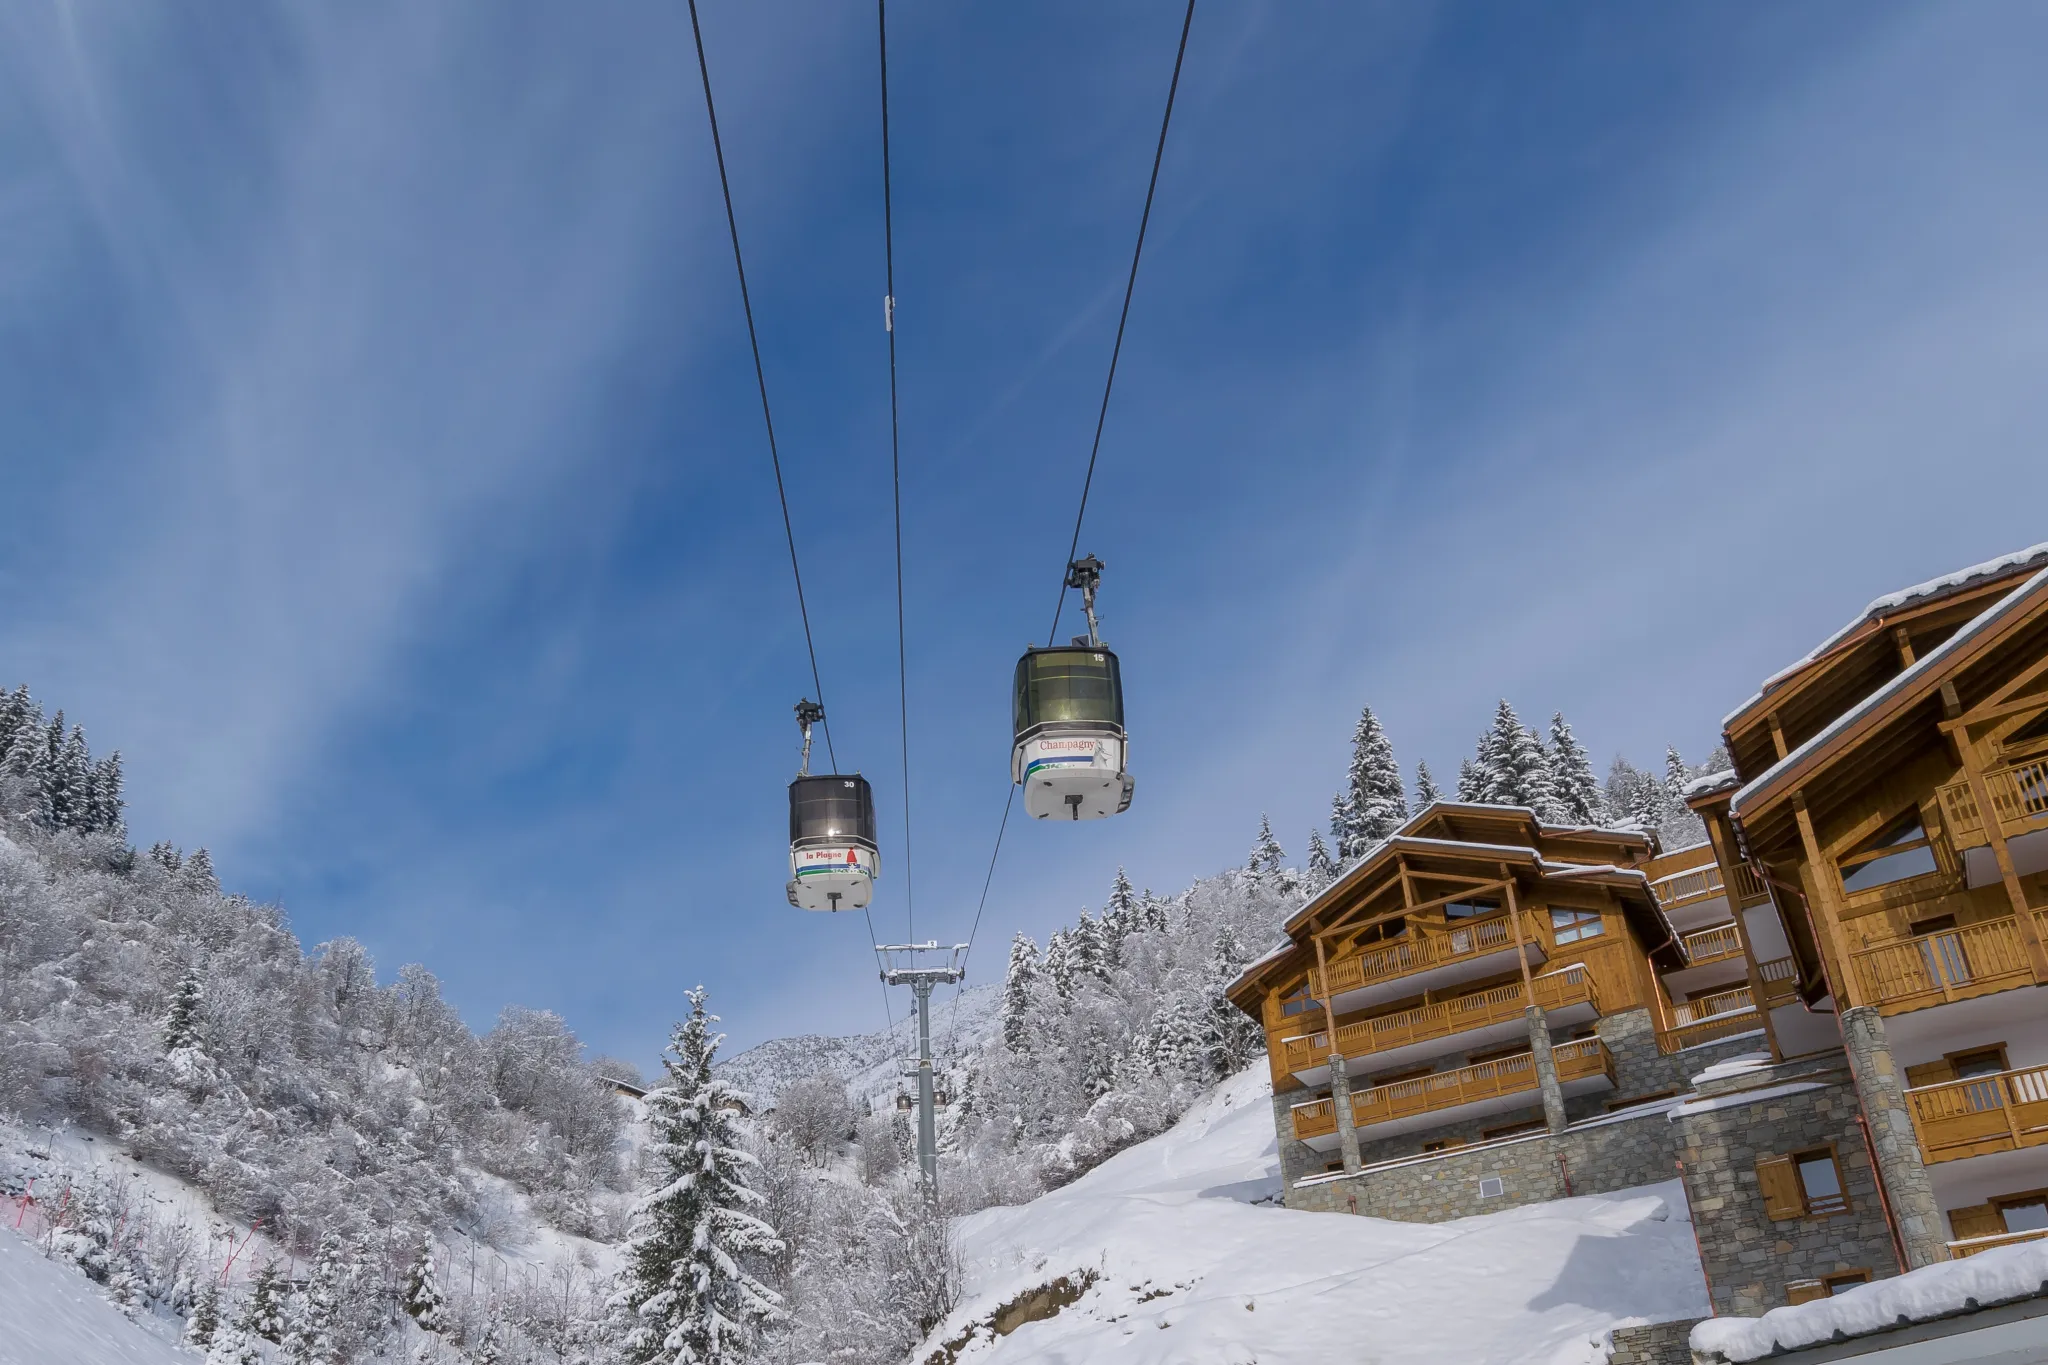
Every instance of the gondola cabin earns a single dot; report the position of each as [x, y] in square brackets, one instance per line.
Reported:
[833, 861]
[1069, 732]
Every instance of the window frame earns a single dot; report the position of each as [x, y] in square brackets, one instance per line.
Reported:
[1827, 1206]
[1873, 849]
[1582, 923]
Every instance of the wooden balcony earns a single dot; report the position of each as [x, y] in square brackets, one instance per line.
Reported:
[1709, 1019]
[1949, 965]
[1582, 1066]
[1558, 992]
[1683, 888]
[2001, 1112]
[2019, 798]
[1781, 981]
[1717, 944]
[1442, 953]
[1970, 1246]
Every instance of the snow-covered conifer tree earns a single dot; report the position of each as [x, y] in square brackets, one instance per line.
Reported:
[1676, 775]
[187, 1017]
[1375, 802]
[1017, 987]
[1084, 948]
[422, 1298]
[263, 1315]
[688, 1295]
[204, 1319]
[233, 1344]
[1121, 909]
[1233, 1037]
[1268, 858]
[1472, 784]
[1153, 912]
[313, 1317]
[1322, 868]
[1572, 784]
[1512, 766]
[1427, 793]
[1059, 962]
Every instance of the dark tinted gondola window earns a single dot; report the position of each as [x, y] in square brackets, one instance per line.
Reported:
[831, 807]
[1070, 685]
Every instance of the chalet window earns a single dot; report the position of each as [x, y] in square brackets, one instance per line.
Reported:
[2027, 739]
[1901, 851]
[1297, 1000]
[1802, 1185]
[2023, 1212]
[1983, 1061]
[1471, 908]
[1806, 1291]
[1569, 926]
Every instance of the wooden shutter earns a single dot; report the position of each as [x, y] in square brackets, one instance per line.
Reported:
[1978, 1220]
[1779, 1180]
[1930, 1073]
[1806, 1291]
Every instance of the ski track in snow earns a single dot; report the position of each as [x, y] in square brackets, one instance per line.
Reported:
[52, 1315]
[1256, 1284]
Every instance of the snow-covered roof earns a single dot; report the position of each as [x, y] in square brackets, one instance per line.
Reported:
[2033, 557]
[1929, 665]
[1709, 783]
[1989, 1278]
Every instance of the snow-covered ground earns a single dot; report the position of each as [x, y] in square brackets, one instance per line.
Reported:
[1192, 1270]
[868, 1062]
[52, 1315]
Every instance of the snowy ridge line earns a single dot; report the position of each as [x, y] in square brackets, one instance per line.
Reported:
[2001, 1275]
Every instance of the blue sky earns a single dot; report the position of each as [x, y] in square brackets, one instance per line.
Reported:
[384, 475]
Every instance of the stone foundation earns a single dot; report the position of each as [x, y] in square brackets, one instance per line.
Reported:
[1660, 1343]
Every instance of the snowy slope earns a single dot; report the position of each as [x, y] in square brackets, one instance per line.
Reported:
[52, 1315]
[868, 1062]
[1192, 1272]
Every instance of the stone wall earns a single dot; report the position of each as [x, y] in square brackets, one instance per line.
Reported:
[1297, 1159]
[1661, 1343]
[1616, 1154]
[1748, 1257]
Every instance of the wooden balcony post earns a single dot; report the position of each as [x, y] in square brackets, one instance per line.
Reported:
[1539, 1025]
[1994, 830]
[1340, 1074]
[1827, 887]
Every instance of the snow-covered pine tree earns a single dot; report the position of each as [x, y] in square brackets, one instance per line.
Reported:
[1635, 796]
[1322, 868]
[313, 1317]
[18, 711]
[198, 873]
[204, 1319]
[233, 1344]
[422, 1298]
[489, 1348]
[1427, 793]
[1268, 858]
[70, 781]
[1059, 962]
[187, 1016]
[1084, 947]
[1377, 803]
[1153, 912]
[106, 805]
[263, 1315]
[1017, 991]
[1121, 909]
[1343, 823]
[1572, 784]
[688, 1294]
[1472, 784]
[165, 853]
[1233, 1037]
[1511, 765]
[1676, 775]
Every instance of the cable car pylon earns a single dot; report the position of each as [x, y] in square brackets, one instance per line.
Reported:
[833, 856]
[900, 968]
[1068, 720]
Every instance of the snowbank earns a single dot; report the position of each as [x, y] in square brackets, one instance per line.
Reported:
[1191, 1270]
[52, 1315]
[2000, 1275]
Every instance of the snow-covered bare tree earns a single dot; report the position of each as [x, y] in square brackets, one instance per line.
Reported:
[815, 1115]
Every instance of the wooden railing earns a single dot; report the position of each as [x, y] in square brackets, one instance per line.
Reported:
[1683, 888]
[2019, 797]
[1554, 990]
[1449, 1089]
[2001, 1112]
[1950, 964]
[1781, 981]
[1709, 1018]
[1712, 945]
[1749, 885]
[1970, 1246]
[1421, 950]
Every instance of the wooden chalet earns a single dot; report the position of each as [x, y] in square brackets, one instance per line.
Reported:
[1481, 974]
[1890, 793]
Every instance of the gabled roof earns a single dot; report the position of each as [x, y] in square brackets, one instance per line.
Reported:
[1908, 688]
[1874, 617]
